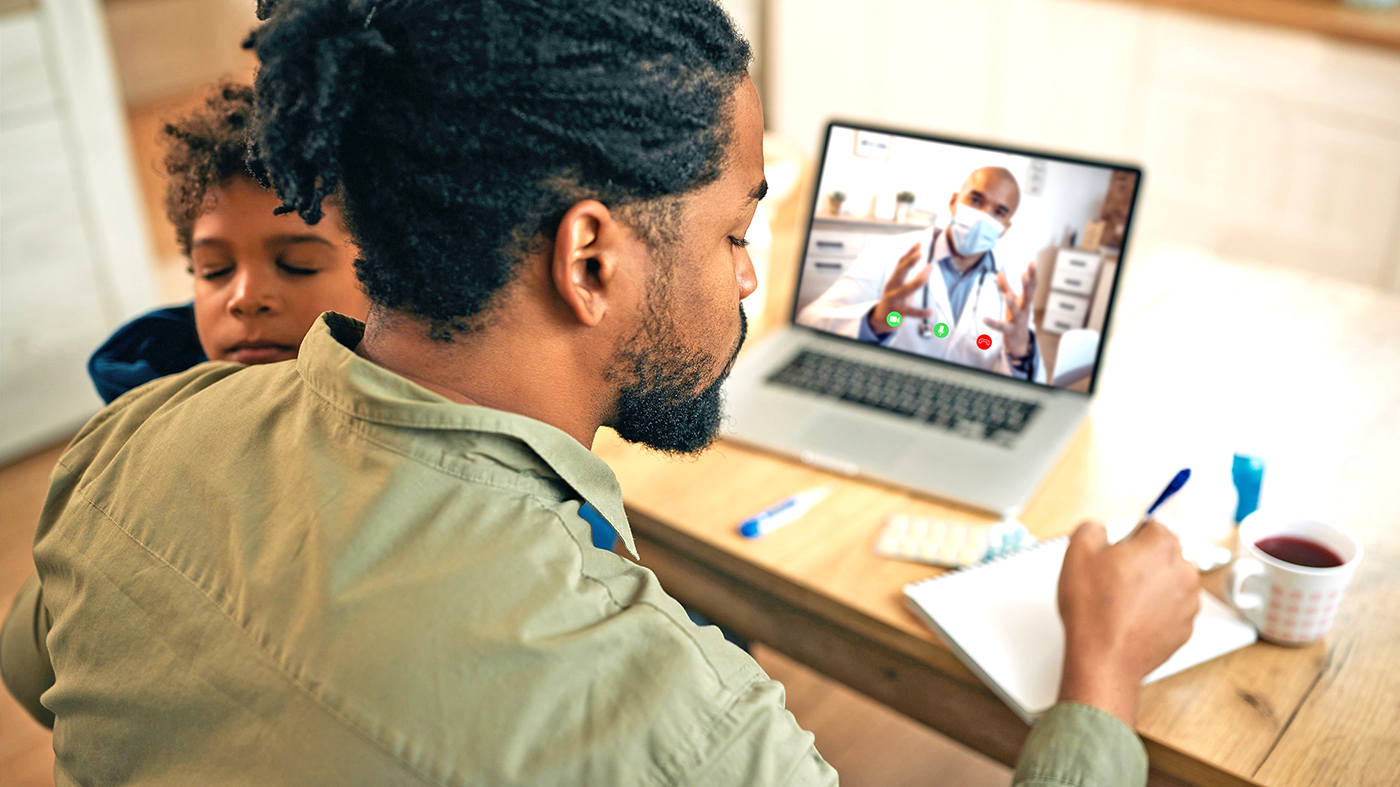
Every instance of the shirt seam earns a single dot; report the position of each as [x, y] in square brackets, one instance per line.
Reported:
[689, 637]
[727, 708]
[1051, 780]
[277, 663]
[797, 761]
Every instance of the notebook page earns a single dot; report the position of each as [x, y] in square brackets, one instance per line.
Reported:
[1001, 620]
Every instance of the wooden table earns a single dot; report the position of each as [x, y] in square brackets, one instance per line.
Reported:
[1206, 357]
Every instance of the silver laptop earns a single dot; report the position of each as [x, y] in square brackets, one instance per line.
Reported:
[920, 349]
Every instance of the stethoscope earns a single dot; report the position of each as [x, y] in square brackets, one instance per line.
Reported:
[925, 329]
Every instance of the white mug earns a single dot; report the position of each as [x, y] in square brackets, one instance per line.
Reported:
[1291, 604]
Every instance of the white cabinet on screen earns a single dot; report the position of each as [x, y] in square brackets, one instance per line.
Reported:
[830, 252]
[834, 244]
[1071, 285]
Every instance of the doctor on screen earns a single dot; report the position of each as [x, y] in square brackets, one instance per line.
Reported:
[945, 285]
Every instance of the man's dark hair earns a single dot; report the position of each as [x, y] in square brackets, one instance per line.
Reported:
[205, 149]
[458, 132]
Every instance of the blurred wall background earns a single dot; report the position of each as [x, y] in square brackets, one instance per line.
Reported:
[1258, 141]
[84, 246]
[1276, 141]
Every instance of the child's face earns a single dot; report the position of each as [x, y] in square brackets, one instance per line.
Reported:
[260, 281]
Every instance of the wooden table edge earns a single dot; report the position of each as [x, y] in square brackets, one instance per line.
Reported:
[866, 654]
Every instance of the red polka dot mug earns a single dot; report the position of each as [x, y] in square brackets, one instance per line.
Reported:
[1290, 575]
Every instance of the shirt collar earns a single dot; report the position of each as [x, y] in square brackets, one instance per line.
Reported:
[327, 363]
[941, 250]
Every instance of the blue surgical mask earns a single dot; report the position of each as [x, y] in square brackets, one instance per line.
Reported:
[973, 231]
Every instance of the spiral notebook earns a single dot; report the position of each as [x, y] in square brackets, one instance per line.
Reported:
[1001, 620]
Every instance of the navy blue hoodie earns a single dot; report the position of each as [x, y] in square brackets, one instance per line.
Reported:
[149, 347]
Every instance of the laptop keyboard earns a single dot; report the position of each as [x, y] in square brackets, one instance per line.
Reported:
[965, 411]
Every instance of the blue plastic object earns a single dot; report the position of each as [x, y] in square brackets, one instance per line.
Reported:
[1248, 472]
[604, 537]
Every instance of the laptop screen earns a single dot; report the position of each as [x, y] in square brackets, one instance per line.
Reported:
[991, 258]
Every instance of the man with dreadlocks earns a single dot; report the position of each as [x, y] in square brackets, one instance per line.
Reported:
[373, 565]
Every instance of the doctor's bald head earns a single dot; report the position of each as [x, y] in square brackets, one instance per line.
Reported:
[992, 190]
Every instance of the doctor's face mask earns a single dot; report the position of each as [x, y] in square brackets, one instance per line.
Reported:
[973, 232]
[982, 209]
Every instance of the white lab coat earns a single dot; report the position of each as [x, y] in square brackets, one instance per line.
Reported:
[842, 307]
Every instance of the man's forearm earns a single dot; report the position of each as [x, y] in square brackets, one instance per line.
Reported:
[24, 653]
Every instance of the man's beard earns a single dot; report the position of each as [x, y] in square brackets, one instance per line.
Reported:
[661, 403]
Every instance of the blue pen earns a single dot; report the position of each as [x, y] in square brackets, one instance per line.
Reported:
[787, 510]
[1174, 486]
[1205, 555]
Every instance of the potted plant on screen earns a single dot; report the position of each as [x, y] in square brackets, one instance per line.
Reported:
[835, 201]
[903, 203]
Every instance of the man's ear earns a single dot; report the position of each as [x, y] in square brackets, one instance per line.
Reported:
[584, 259]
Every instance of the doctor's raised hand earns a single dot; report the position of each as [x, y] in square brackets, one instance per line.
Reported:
[1016, 328]
[899, 289]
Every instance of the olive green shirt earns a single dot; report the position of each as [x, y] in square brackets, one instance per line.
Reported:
[321, 573]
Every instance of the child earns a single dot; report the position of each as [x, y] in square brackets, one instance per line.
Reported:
[260, 280]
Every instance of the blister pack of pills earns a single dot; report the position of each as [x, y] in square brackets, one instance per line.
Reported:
[948, 542]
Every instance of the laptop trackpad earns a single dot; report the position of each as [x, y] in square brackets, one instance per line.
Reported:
[855, 440]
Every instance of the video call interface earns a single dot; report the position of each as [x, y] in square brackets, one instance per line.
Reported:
[989, 259]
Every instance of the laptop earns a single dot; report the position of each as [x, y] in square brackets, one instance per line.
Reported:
[930, 386]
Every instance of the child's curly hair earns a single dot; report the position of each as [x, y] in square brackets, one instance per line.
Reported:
[205, 149]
